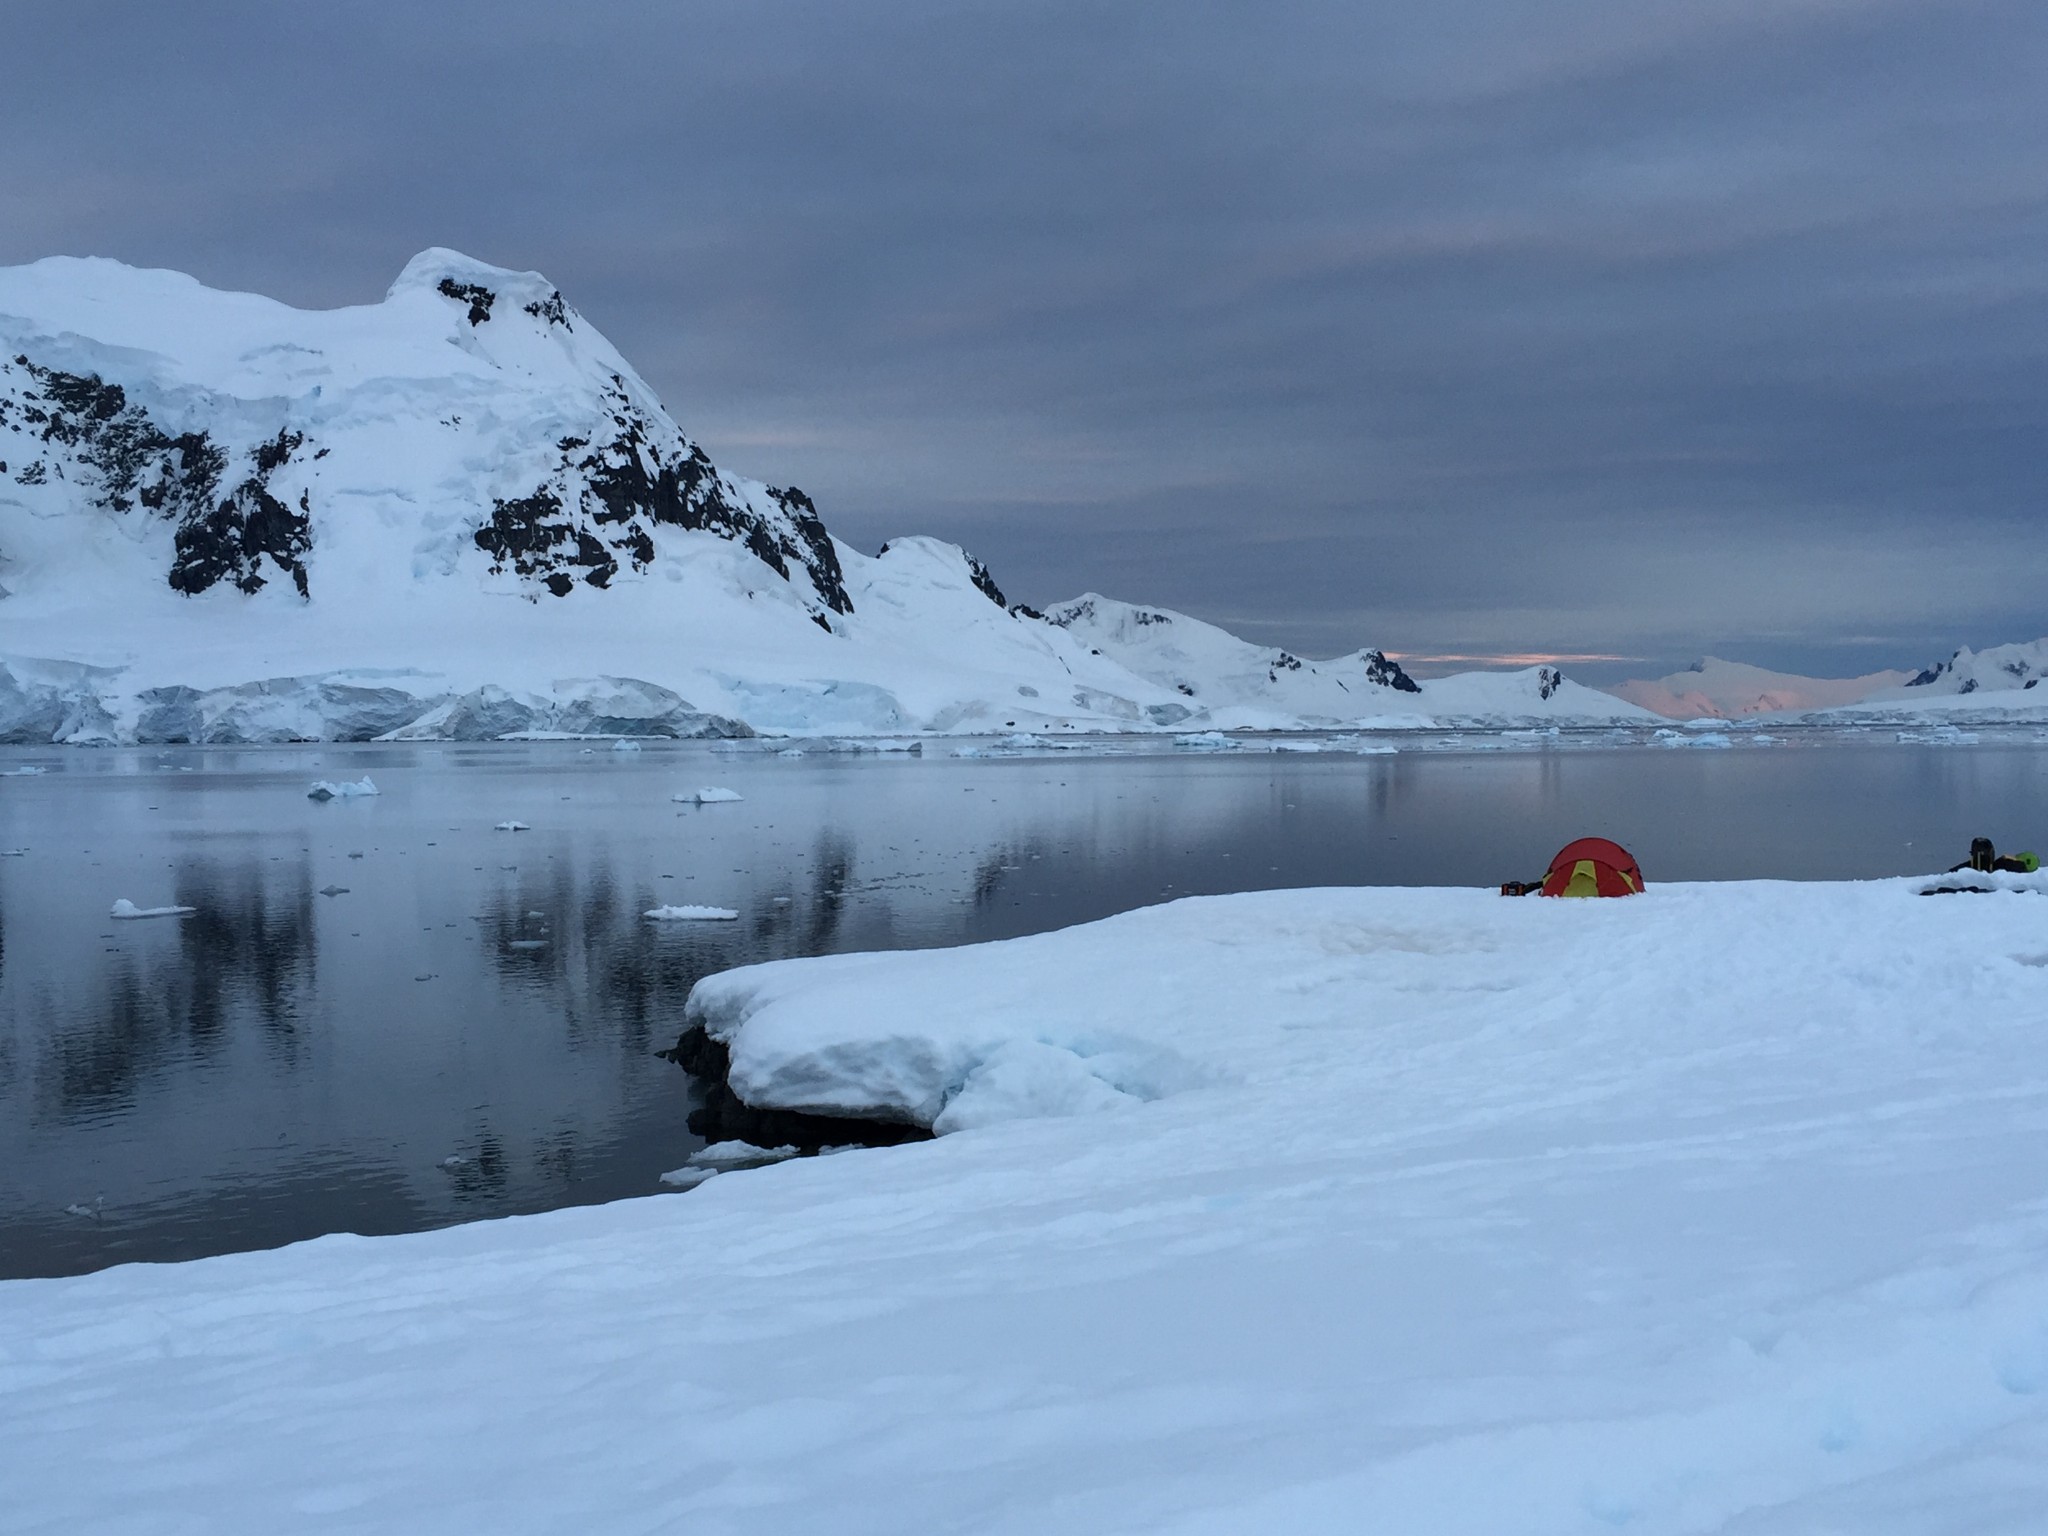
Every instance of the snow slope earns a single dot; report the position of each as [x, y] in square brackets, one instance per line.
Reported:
[1721, 689]
[1453, 1214]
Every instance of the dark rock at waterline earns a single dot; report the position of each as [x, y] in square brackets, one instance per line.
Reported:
[722, 1115]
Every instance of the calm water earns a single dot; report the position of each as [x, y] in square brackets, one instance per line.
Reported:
[466, 1026]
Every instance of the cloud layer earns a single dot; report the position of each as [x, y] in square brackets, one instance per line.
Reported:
[1636, 327]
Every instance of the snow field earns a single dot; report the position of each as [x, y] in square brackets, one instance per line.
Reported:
[1722, 1208]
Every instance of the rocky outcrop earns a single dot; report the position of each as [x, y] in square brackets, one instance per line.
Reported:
[79, 429]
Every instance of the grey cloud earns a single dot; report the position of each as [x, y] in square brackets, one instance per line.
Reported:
[1598, 326]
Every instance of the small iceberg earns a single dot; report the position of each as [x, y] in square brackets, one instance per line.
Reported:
[693, 914]
[125, 908]
[1205, 741]
[22, 772]
[625, 744]
[722, 1156]
[327, 789]
[510, 826]
[711, 795]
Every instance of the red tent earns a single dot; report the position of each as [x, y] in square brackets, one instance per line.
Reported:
[1593, 866]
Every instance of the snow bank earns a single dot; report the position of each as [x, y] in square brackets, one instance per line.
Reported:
[1167, 998]
[1721, 1208]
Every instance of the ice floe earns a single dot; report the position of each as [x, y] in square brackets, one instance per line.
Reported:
[690, 914]
[328, 789]
[124, 908]
[710, 795]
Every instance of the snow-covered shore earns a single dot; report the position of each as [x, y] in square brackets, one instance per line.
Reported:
[1722, 1208]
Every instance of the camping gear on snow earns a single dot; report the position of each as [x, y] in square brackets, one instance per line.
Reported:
[1986, 858]
[1592, 866]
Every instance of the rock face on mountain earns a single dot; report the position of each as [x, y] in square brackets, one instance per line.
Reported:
[2001, 669]
[523, 417]
[459, 512]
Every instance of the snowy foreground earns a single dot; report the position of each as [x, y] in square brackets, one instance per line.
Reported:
[1722, 1208]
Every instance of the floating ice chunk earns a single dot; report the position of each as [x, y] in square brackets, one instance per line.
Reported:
[687, 1178]
[711, 795]
[126, 908]
[1939, 736]
[692, 914]
[333, 890]
[526, 943]
[327, 789]
[510, 826]
[722, 1155]
[1205, 741]
[13, 853]
[1670, 738]
[22, 772]
[625, 744]
[791, 752]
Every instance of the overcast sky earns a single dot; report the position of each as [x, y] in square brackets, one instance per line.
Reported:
[1636, 328]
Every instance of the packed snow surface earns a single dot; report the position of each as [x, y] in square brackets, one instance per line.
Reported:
[689, 914]
[1719, 1208]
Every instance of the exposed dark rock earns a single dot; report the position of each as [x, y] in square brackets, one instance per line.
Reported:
[535, 539]
[985, 583]
[231, 542]
[609, 490]
[475, 295]
[1026, 611]
[1384, 670]
[1548, 680]
[552, 310]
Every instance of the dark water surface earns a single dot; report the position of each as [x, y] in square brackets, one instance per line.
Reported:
[468, 1028]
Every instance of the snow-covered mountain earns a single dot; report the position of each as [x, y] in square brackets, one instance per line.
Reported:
[459, 512]
[1240, 685]
[2002, 669]
[1713, 688]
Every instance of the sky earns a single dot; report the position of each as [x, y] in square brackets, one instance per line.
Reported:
[1625, 331]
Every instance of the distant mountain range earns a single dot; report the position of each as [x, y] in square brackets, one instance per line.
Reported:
[460, 513]
[1985, 684]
